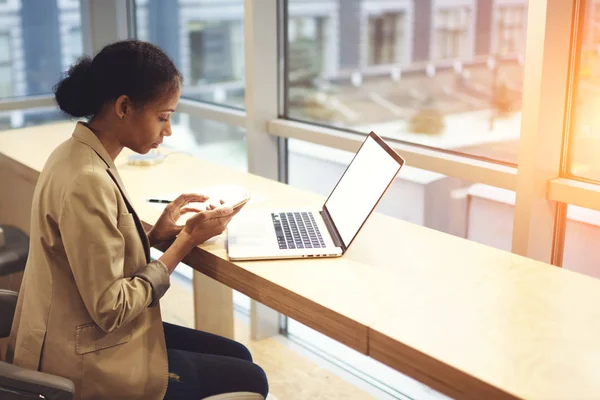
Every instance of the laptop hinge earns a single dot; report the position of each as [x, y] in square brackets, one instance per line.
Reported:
[337, 240]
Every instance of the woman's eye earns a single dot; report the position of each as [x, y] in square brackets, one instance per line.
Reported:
[163, 119]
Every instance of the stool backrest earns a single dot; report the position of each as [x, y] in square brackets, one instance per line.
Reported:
[8, 304]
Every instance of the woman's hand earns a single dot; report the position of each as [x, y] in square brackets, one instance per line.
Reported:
[207, 224]
[166, 227]
[197, 230]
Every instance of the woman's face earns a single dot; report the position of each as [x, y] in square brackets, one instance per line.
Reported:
[147, 126]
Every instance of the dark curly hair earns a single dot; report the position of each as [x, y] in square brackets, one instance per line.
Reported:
[139, 70]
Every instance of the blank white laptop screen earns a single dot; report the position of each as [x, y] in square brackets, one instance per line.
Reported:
[361, 187]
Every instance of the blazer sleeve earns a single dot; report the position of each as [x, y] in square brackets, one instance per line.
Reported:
[95, 249]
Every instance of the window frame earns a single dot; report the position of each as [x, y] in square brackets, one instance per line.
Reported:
[215, 13]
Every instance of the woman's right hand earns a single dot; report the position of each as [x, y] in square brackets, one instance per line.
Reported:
[207, 224]
[197, 230]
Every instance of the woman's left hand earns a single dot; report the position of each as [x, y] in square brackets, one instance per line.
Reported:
[166, 227]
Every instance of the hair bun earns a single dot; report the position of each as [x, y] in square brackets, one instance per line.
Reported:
[74, 93]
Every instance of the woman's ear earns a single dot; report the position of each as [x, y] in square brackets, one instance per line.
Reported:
[122, 106]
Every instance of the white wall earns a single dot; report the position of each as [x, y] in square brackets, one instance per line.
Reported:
[581, 242]
[491, 217]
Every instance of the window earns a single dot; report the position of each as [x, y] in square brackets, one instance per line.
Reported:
[30, 117]
[33, 49]
[510, 22]
[386, 38]
[582, 234]
[452, 33]
[595, 29]
[584, 139]
[212, 59]
[462, 208]
[74, 45]
[413, 72]
[372, 379]
[306, 38]
[206, 42]
[6, 73]
[209, 140]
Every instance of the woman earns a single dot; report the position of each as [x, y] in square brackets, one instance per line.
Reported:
[88, 308]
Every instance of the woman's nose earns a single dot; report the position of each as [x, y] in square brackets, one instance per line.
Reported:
[167, 130]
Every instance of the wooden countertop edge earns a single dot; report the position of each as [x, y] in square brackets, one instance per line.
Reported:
[29, 174]
[429, 371]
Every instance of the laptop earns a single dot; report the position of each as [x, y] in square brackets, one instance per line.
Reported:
[328, 232]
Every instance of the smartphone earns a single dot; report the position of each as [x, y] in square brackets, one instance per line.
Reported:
[237, 204]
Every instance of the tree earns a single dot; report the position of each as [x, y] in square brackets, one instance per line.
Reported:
[502, 99]
[304, 62]
[427, 120]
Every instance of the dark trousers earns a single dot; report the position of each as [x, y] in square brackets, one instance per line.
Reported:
[202, 364]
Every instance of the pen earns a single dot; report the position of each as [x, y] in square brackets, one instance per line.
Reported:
[162, 201]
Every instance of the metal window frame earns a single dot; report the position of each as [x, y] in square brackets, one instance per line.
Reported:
[575, 192]
[539, 222]
[104, 22]
[261, 28]
[28, 102]
[224, 114]
[447, 163]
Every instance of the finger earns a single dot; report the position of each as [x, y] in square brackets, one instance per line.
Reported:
[192, 197]
[179, 201]
[186, 198]
[219, 212]
[211, 207]
[235, 211]
[201, 216]
[221, 226]
[238, 208]
[186, 210]
[222, 201]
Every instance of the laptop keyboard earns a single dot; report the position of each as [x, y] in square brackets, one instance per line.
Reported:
[297, 230]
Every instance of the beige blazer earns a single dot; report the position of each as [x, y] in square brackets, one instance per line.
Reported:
[86, 309]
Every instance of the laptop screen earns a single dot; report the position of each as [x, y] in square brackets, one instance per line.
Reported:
[362, 185]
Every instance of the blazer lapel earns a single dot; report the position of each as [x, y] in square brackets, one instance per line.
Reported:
[86, 136]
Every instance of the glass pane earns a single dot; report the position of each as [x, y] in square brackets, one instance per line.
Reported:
[584, 140]
[38, 41]
[582, 236]
[432, 73]
[373, 380]
[205, 39]
[462, 208]
[6, 81]
[5, 48]
[209, 140]
[30, 117]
